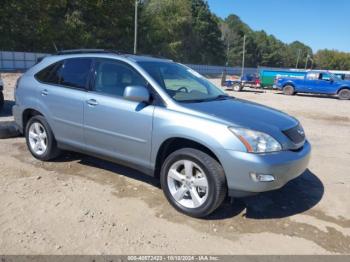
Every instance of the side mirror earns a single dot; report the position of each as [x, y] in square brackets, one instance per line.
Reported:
[137, 94]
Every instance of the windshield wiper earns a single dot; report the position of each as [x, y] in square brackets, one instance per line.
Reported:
[218, 97]
[223, 97]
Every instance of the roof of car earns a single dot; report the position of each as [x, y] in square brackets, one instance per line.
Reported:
[104, 52]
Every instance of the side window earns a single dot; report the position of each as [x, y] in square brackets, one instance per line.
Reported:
[312, 76]
[325, 76]
[112, 77]
[50, 74]
[74, 72]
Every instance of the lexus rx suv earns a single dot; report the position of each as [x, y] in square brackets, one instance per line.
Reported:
[161, 118]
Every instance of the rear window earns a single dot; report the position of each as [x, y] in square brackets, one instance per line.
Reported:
[72, 72]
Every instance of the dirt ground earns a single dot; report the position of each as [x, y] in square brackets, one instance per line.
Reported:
[82, 205]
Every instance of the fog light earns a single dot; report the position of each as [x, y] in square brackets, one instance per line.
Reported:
[261, 177]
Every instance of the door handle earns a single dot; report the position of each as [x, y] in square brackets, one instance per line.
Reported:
[92, 102]
[44, 92]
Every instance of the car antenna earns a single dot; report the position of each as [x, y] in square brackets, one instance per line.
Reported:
[54, 45]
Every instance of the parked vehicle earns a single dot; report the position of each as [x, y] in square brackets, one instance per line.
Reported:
[268, 77]
[319, 82]
[1, 94]
[248, 80]
[161, 118]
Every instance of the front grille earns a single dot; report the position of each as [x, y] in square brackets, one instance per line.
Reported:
[296, 134]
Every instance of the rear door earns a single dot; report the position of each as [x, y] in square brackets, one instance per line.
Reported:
[115, 127]
[310, 83]
[63, 93]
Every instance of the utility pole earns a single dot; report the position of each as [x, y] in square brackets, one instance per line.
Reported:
[299, 53]
[307, 60]
[243, 57]
[227, 51]
[135, 28]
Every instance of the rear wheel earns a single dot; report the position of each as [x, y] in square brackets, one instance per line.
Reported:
[344, 94]
[193, 182]
[40, 139]
[237, 87]
[288, 90]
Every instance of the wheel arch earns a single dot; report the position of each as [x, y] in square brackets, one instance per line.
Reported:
[289, 84]
[175, 143]
[342, 88]
[27, 114]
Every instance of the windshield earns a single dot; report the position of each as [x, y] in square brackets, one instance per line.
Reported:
[182, 83]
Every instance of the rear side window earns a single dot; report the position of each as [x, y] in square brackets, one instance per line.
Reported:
[72, 72]
[49, 74]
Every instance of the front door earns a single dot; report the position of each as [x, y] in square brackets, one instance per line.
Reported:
[115, 127]
[325, 84]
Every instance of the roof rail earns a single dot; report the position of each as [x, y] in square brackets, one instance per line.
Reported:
[84, 51]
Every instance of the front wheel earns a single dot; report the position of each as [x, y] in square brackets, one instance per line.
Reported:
[193, 182]
[40, 139]
[344, 94]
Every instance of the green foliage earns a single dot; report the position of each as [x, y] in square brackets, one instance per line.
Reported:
[332, 59]
[184, 30]
[261, 49]
[34, 25]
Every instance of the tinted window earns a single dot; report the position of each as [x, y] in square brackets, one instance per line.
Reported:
[75, 72]
[113, 77]
[71, 72]
[49, 74]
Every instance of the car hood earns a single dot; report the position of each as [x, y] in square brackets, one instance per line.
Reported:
[245, 114]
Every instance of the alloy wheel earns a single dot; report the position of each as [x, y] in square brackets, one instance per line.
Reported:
[188, 184]
[38, 138]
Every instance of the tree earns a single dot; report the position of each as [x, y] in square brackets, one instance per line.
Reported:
[184, 30]
[299, 49]
[332, 59]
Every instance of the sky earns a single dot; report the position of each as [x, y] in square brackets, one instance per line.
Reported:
[319, 24]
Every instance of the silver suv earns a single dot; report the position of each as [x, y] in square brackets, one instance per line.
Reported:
[161, 118]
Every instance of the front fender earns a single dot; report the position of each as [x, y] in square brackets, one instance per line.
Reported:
[172, 124]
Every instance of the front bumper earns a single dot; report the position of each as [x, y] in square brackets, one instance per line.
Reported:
[283, 166]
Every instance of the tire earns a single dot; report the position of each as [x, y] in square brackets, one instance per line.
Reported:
[9, 129]
[237, 87]
[43, 133]
[208, 173]
[2, 101]
[344, 94]
[288, 90]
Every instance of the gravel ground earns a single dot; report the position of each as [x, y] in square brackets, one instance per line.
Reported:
[82, 205]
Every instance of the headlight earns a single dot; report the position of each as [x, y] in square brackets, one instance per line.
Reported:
[255, 141]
